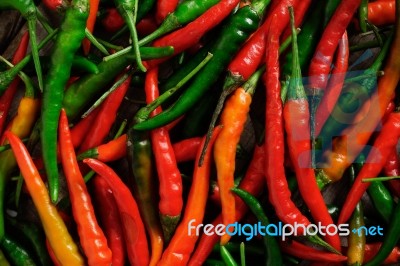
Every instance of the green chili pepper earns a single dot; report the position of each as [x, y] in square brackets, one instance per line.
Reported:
[28, 11]
[310, 33]
[227, 257]
[273, 254]
[35, 236]
[382, 200]
[363, 15]
[17, 254]
[68, 40]
[357, 239]
[238, 28]
[80, 93]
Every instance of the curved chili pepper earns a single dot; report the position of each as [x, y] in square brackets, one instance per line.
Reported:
[163, 8]
[61, 242]
[27, 9]
[236, 31]
[67, 43]
[372, 248]
[279, 194]
[143, 182]
[302, 251]
[110, 220]
[112, 21]
[321, 62]
[80, 130]
[233, 118]
[382, 12]
[105, 118]
[382, 200]
[335, 84]
[356, 241]
[346, 148]
[297, 126]
[189, 35]
[17, 254]
[380, 151]
[79, 94]
[169, 176]
[7, 97]
[92, 238]
[132, 225]
[21, 125]
[183, 241]
[273, 254]
[390, 239]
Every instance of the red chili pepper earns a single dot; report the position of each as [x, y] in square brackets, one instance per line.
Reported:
[189, 35]
[8, 96]
[302, 251]
[300, 10]
[146, 25]
[186, 150]
[335, 84]
[279, 193]
[372, 248]
[382, 12]
[106, 117]
[92, 238]
[252, 183]
[54, 5]
[134, 232]
[81, 129]
[163, 8]
[391, 168]
[112, 21]
[183, 241]
[110, 219]
[169, 176]
[383, 146]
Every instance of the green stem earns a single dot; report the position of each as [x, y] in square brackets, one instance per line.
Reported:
[242, 254]
[227, 257]
[378, 179]
[95, 42]
[35, 49]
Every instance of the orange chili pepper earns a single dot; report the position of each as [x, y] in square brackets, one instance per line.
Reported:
[233, 119]
[92, 238]
[94, 6]
[54, 227]
[182, 243]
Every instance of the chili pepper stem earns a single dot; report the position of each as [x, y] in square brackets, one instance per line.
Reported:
[34, 48]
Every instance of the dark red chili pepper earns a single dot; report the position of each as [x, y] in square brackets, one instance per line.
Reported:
[189, 35]
[169, 176]
[183, 241]
[8, 95]
[110, 220]
[252, 183]
[302, 251]
[81, 129]
[92, 238]
[380, 151]
[106, 116]
[279, 193]
[297, 125]
[112, 20]
[320, 65]
[134, 232]
[146, 26]
[163, 8]
[186, 150]
[334, 86]
[391, 168]
[372, 248]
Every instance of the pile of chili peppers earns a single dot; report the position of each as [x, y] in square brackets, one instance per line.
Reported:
[172, 132]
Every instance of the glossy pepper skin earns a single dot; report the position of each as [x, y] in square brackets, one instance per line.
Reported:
[133, 228]
[183, 242]
[55, 229]
[18, 255]
[81, 92]
[67, 43]
[244, 22]
[92, 238]
[347, 147]
[382, 12]
[21, 125]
